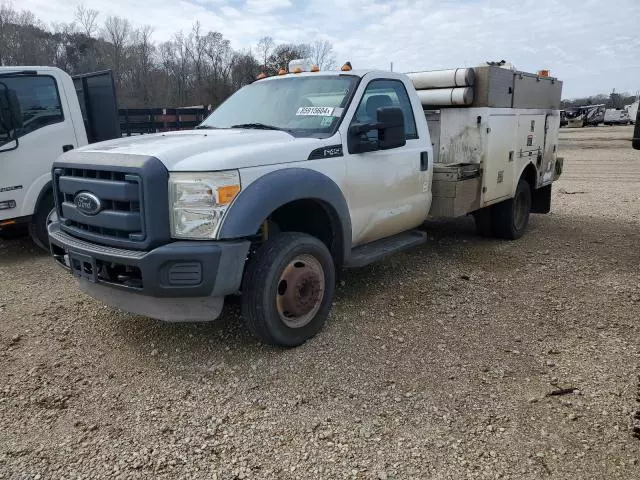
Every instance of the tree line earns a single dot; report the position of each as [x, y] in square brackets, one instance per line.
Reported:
[613, 100]
[199, 67]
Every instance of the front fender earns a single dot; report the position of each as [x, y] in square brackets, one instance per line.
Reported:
[275, 189]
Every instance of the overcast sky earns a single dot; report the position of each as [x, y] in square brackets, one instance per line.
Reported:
[592, 45]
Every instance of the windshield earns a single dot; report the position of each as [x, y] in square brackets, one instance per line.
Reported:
[309, 106]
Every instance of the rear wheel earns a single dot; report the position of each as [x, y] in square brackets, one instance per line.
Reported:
[287, 289]
[40, 220]
[482, 219]
[509, 219]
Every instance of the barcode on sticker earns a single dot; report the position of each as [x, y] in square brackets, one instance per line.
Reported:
[316, 111]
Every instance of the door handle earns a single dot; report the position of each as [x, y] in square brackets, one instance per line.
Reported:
[66, 148]
[424, 161]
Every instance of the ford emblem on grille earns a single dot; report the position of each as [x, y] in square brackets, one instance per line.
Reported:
[87, 203]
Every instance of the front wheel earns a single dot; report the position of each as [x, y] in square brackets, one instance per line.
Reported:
[510, 218]
[287, 289]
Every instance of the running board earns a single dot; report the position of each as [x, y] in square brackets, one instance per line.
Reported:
[374, 251]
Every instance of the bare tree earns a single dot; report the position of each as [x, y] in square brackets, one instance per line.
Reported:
[7, 19]
[244, 69]
[68, 51]
[284, 53]
[117, 31]
[176, 60]
[265, 46]
[220, 58]
[86, 18]
[322, 54]
[196, 46]
[142, 63]
[32, 43]
[198, 68]
[218, 51]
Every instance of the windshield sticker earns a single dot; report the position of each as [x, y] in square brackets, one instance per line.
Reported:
[317, 111]
[326, 121]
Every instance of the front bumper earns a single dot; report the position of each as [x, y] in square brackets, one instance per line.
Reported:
[180, 281]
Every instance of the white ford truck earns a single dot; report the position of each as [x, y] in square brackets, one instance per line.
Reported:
[298, 175]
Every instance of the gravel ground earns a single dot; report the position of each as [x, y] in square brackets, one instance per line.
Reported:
[465, 358]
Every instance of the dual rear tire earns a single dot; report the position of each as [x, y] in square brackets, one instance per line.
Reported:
[507, 219]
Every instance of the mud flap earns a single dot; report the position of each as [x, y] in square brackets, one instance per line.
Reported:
[558, 168]
[541, 200]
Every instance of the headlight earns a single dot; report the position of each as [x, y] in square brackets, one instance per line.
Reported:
[198, 201]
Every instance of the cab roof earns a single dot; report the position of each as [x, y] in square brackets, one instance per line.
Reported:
[29, 68]
[355, 73]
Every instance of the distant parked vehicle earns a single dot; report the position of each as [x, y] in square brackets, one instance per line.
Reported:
[583, 116]
[616, 116]
[636, 131]
[632, 110]
[46, 112]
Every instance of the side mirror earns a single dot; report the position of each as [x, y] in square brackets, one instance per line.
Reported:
[10, 113]
[390, 127]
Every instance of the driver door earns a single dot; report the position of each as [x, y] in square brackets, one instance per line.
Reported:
[386, 188]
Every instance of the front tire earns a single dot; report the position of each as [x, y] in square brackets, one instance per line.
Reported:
[287, 289]
[510, 218]
[40, 220]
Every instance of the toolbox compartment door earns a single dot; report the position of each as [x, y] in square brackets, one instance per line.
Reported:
[500, 161]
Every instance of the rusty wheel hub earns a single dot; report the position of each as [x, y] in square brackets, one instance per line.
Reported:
[300, 291]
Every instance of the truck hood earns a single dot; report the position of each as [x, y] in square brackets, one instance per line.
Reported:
[206, 150]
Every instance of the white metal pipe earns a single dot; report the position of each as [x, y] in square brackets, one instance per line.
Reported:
[457, 77]
[446, 96]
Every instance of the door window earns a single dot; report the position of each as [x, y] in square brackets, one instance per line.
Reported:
[39, 101]
[385, 93]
